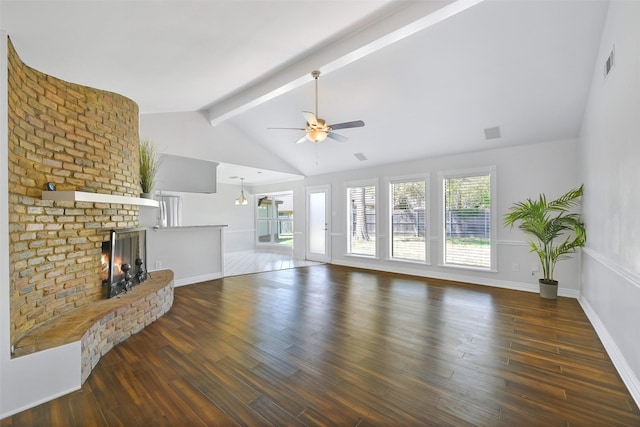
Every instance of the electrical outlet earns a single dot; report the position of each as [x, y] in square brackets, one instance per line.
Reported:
[535, 268]
[158, 264]
[515, 267]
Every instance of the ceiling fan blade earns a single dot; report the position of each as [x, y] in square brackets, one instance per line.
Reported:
[345, 125]
[288, 128]
[311, 118]
[301, 140]
[337, 137]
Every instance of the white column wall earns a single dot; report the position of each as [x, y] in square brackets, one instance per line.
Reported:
[610, 165]
[28, 380]
[5, 306]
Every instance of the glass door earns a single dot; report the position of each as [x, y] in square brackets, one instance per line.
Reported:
[318, 223]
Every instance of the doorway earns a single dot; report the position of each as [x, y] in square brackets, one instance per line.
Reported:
[319, 223]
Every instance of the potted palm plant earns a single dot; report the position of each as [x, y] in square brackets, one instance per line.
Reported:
[149, 166]
[557, 232]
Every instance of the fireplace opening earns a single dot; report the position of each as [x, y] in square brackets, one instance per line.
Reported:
[124, 258]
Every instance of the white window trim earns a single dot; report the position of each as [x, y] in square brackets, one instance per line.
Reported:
[273, 245]
[427, 200]
[362, 183]
[461, 173]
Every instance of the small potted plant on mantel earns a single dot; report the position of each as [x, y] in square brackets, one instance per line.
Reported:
[558, 232]
[149, 166]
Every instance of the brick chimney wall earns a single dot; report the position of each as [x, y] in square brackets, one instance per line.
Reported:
[81, 139]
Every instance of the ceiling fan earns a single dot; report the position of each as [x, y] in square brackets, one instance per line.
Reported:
[317, 129]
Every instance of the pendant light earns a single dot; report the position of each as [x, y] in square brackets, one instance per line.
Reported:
[242, 200]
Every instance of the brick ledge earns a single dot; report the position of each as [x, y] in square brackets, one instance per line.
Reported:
[103, 324]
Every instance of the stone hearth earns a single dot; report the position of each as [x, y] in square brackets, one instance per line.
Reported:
[103, 324]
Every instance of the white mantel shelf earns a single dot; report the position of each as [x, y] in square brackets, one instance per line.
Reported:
[81, 196]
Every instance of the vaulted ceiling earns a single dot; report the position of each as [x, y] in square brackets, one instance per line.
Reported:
[426, 77]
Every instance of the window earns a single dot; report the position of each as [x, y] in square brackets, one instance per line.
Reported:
[361, 206]
[468, 219]
[408, 219]
[275, 219]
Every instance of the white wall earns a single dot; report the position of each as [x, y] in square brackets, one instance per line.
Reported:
[194, 254]
[523, 171]
[5, 306]
[610, 165]
[216, 209]
[191, 135]
[220, 208]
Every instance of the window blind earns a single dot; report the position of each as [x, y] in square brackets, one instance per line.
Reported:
[362, 220]
[408, 220]
[467, 220]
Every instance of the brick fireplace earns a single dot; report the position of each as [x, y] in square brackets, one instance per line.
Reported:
[77, 138]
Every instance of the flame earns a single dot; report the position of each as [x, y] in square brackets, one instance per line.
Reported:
[116, 265]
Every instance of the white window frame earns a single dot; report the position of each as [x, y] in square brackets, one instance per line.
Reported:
[272, 221]
[491, 171]
[362, 183]
[427, 214]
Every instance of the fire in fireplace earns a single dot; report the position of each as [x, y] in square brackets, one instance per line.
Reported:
[123, 261]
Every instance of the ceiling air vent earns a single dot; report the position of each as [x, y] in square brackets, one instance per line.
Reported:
[360, 157]
[492, 133]
[610, 62]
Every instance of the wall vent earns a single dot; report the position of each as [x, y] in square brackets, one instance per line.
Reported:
[610, 62]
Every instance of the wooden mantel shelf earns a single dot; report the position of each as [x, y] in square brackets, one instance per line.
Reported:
[81, 196]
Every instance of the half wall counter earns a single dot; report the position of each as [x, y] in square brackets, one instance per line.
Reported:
[195, 253]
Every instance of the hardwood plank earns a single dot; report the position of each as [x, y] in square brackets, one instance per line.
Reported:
[332, 345]
[273, 413]
[169, 403]
[201, 405]
[231, 405]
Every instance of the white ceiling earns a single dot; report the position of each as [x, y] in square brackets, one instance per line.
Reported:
[231, 174]
[426, 77]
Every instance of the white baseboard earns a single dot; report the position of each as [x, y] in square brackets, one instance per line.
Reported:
[39, 377]
[619, 361]
[406, 269]
[197, 279]
[30, 405]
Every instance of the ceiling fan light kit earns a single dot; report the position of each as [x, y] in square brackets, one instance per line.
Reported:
[316, 135]
[317, 130]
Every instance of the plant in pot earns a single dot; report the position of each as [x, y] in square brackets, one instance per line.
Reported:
[557, 231]
[149, 166]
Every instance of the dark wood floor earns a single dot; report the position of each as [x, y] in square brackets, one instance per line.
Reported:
[328, 345]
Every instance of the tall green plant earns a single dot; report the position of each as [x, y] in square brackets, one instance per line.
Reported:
[149, 165]
[557, 231]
